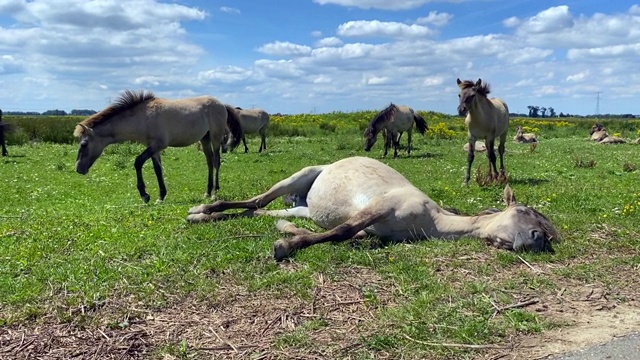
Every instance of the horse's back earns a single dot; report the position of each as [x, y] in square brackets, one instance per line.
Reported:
[252, 120]
[402, 120]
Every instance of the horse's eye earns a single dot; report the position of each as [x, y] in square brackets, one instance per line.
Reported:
[83, 143]
[458, 95]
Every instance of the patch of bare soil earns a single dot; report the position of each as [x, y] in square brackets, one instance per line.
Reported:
[237, 324]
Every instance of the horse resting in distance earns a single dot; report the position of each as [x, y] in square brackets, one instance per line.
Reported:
[359, 196]
[487, 119]
[392, 122]
[158, 123]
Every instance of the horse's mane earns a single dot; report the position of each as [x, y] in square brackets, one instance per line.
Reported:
[483, 89]
[127, 100]
[380, 119]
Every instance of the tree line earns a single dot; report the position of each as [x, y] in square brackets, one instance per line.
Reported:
[56, 112]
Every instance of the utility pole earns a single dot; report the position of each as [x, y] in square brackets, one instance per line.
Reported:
[598, 103]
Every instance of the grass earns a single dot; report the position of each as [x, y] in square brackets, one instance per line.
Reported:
[85, 251]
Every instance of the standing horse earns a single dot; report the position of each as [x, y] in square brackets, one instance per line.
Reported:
[393, 121]
[252, 121]
[4, 129]
[158, 123]
[485, 118]
[359, 196]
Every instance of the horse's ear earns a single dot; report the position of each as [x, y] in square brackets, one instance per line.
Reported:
[479, 82]
[458, 81]
[87, 130]
[509, 198]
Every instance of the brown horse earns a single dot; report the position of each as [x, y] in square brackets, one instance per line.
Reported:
[599, 134]
[485, 118]
[158, 123]
[359, 196]
[522, 137]
[393, 121]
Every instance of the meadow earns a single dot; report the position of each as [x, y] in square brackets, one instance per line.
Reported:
[88, 270]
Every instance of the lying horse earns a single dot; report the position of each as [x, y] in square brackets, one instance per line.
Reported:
[599, 134]
[392, 122]
[360, 196]
[522, 137]
[480, 147]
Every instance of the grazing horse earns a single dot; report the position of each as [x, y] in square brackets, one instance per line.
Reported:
[359, 196]
[599, 134]
[393, 121]
[253, 121]
[485, 118]
[158, 123]
[522, 137]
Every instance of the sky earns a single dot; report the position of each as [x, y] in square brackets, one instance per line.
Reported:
[319, 56]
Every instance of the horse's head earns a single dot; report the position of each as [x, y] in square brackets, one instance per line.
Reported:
[468, 92]
[596, 127]
[91, 147]
[369, 138]
[520, 228]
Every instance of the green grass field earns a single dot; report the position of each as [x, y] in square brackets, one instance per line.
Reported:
[87, 269]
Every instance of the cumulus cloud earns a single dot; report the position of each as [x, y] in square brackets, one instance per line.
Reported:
[435, 18]
[378, 4]
[362, 28]
[226, 74]
[329, 42]
[283, 48]
[578, 77]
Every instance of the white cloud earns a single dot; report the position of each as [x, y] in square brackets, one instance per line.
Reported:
[376, 80]
[226, 74]
[229, 10]
[578, 77]
[362, 28]
[379, 4]
[433, 81]
[329, 42]
[282, 48]
[511, 22]
[435, 18]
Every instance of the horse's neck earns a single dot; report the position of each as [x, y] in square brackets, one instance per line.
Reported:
[452, 226]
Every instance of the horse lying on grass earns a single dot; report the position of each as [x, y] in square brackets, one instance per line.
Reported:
[599, 134]
[522, 137]
[360, 196]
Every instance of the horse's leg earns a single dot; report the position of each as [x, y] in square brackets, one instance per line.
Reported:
[503, 139]
[368, 216]
[396, 143]
[157, 168]
[263, 140]
[387, 141]
[290, 228]
[2, 142]
[137, 164]
[216, 165]
[208, 154]
[408, 141]
[470, 157]
[298, 183]
[491, 156]
[244, 141]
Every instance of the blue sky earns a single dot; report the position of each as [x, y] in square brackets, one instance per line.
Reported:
[302, 56]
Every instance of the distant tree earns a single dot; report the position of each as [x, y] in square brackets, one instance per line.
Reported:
[55, 112]
[543, 110]
[84, 112]
[533, 111]
[552, 112]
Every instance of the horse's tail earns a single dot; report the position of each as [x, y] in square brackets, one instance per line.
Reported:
[421, 124]
[233, 123]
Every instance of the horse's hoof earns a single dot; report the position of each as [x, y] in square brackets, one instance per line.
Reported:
[159, 201]
[199, 218]
[197, 209]
[281, 249]
[282, 225]
[146, 198]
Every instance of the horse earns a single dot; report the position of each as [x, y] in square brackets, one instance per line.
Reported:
[158, 123]
[253, 121]
[359, 196]
[526, 138]
[485, 118]
[393, 121]
[599, 134]
[5, 128]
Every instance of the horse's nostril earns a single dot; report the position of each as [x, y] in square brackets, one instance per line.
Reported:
[534, 233]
